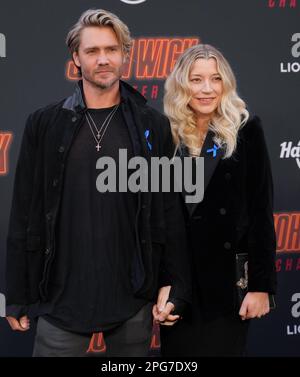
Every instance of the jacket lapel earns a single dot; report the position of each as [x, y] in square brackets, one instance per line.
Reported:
[212, 155]
[143, 130]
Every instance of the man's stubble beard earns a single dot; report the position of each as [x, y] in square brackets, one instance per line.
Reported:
[104, 84]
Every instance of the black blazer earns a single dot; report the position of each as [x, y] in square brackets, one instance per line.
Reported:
[235, 215]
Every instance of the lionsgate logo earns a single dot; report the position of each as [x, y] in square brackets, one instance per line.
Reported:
[160, 175]
[2, 46]
[292, 67]
[294, 329]
[288, 150]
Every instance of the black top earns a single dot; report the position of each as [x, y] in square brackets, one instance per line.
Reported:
[90, 285]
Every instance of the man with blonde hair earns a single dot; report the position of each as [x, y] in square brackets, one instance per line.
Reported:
[80, 260]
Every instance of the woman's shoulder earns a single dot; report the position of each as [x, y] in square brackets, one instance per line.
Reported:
[253, 127]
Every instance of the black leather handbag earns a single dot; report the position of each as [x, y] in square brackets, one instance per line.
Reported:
[241, 264]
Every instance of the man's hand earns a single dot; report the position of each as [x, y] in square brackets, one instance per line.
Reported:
[22, 324]
[161, 311]
[255, 305]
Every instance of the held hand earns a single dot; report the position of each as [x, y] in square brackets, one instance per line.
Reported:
[22, 324]
[255, 305]
[161, 311]
[164, 317]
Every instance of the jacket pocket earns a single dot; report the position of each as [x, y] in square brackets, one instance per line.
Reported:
[35, 259]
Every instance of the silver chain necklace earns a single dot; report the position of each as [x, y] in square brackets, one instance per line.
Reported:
[99, 134]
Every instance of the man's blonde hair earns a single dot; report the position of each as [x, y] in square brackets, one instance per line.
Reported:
[99, 17]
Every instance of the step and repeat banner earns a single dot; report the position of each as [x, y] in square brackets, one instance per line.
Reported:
[260, 38]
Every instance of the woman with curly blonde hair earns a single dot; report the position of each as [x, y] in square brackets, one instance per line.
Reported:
[210, 120]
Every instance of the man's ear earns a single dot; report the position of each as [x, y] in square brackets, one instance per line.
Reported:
[76, 59]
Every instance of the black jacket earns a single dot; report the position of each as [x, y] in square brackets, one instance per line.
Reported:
[235, 216]
[47, 139]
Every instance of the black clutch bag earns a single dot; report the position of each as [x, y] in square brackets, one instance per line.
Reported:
[241, 265]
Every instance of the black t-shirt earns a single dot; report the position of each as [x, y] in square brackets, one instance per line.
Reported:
[89, 285]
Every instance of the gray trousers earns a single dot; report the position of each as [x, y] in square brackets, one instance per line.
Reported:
[130, 339]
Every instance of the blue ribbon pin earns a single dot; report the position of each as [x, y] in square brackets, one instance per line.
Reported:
[213, 150]
[147, 133]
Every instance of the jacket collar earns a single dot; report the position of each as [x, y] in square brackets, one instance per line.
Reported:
[76, 102]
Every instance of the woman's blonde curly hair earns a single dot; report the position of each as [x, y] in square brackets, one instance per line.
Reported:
[228, 118]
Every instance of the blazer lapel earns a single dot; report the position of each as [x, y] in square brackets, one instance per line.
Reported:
[143, 130]
[212, 155]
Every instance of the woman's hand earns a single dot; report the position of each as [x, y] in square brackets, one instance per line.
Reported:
[255, 305]
[161, 310]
